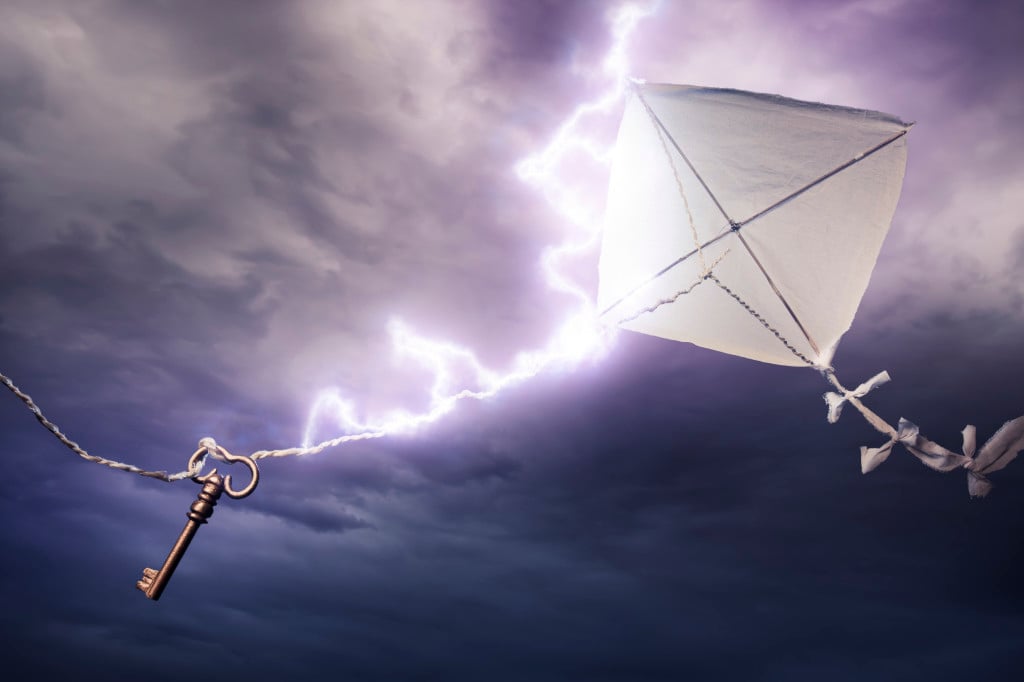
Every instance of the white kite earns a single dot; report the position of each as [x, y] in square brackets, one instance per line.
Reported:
[750, 224]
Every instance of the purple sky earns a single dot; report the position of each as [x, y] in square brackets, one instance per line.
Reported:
[210, 211]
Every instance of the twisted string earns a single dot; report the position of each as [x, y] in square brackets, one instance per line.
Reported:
[764, 322]
[676, 296]
[705, 269]
[207, 444]
[319, 447]
[679, 186]
[81, 452]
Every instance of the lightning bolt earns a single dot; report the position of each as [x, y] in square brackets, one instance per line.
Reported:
[579, 338]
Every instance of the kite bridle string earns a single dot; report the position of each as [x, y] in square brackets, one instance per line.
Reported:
[704, 269]
[707, 271]
[674, 297]
[829, 373]
[764, 322]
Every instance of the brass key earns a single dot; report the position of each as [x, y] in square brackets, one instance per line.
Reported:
[153, 582]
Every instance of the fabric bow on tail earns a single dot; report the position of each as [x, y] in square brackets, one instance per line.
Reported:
[996, 453]
[931, 454]
[835, 401]
[999, 451]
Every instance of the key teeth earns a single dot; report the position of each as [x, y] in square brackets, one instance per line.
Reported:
[148, 574]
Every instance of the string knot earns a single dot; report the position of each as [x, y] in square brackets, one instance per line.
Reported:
[212, 449]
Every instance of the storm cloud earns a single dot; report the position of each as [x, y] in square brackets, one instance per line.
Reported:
[211, 211]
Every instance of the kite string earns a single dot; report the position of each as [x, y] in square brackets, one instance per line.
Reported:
[319, 447]
[81, 452]
[163, 475]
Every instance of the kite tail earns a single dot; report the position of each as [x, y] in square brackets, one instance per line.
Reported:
[997, 452]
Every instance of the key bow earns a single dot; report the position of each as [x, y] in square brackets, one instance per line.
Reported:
[208, 446]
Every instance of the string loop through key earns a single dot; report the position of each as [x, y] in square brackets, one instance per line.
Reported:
[208, 446]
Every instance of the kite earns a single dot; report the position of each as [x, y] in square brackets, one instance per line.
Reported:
[750, 224]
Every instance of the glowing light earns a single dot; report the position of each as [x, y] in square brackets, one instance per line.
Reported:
[579, 338]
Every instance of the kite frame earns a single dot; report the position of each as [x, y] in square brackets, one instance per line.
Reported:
[994, 455]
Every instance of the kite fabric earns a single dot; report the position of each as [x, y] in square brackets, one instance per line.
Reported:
[750, 224]
[797, 240]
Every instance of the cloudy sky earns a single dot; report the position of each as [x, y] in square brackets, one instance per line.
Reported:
[211, 211]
